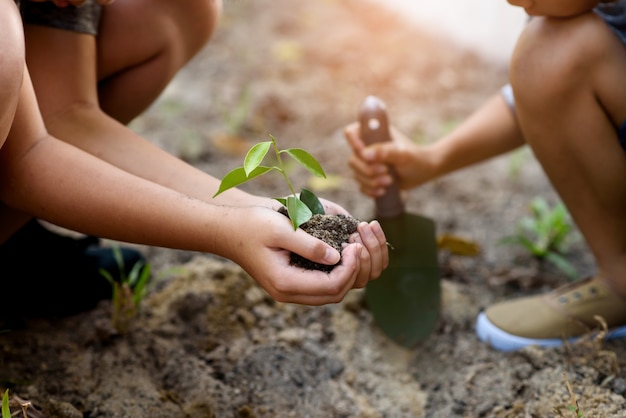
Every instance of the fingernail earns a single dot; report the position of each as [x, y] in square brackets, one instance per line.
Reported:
[365, 231]
[356, 237]
[368, 154]
[332, 256]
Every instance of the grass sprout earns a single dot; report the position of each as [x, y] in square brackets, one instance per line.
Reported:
[128, 292]
[6, 413]
[546, 234]
[6, 410]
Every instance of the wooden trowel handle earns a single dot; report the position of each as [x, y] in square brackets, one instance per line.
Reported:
[375, 128]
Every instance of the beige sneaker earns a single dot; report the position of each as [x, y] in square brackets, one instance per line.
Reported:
[546, 320]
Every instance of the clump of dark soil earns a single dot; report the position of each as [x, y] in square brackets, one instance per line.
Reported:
[334, 230]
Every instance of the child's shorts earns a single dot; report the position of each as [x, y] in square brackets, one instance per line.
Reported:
[82, 19]
[614, 14]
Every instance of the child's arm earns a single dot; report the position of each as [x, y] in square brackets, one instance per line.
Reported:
[58, 182]
[492, 130]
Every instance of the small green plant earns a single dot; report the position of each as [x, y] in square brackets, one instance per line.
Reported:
[300, 208]
[546, 234]
[573, 407]
[6, 413]
[128, 292]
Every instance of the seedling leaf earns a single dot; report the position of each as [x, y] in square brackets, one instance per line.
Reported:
[545, 234]
[312, 202]
[255, 156]
[6, 412]
[129, 291]
[298, 211]
[299, 208]
[238, 176]
[562, 264]
[306, 160]
[139, 277]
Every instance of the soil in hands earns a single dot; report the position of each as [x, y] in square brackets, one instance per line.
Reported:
[334, 230]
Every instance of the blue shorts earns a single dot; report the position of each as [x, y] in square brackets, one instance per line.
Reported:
[614, 14]
[82, 19]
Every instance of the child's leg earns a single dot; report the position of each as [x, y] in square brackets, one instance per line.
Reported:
[31, 255]
[11, 64]
[569, 81]
[11, 75]
[570, 99]
[141, 46]
[64, 66]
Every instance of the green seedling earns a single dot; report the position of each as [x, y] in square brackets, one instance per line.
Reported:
[574, 408]
[128, 292]
[6, 413]
[546, 234]
[300, 208]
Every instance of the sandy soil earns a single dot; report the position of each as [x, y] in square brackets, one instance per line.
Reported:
[210, 343]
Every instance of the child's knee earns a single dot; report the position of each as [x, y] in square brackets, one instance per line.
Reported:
[554, 55]
[205, 14]
[12, 65]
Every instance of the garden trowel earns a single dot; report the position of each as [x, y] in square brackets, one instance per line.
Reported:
[405, 299]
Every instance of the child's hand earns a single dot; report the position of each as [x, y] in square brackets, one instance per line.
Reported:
[264, 252]
[375, 252]
[370, 164]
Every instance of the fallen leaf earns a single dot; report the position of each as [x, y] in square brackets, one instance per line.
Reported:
[458, 246]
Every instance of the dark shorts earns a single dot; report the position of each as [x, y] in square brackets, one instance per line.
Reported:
[614, 14]
[83, 19]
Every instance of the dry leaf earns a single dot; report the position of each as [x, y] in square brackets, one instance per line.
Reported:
[458, 246]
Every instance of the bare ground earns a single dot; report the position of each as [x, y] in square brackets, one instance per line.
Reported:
[210, 343]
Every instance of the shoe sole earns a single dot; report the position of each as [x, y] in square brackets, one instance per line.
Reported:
[503, 341]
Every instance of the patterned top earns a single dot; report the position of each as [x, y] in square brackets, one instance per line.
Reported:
[82, 19]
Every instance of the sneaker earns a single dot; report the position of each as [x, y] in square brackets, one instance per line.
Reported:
[547, 320]
[47, 274]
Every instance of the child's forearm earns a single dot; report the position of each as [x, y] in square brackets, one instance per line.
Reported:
[93, 131]
[492, 130]
[50, 179]
[66, 186]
